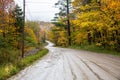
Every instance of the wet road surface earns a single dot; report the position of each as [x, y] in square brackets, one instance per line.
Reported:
[70, 64]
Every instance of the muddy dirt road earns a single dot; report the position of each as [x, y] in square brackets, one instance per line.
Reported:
[69, 64]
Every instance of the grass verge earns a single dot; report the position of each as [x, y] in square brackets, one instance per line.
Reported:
[7, 70]
[94, 48]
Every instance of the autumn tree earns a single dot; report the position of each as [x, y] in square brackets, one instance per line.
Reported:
[8, 52]
[97, 22]
[63, 20]
[6, 25]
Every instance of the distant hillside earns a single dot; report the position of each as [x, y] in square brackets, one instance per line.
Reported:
[45, 26]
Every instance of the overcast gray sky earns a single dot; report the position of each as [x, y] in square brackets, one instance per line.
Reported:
[42, 10]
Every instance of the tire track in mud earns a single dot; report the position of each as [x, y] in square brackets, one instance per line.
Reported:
[105, 62]
[113, 63]
[92, 70]
[59, 72]
[113, 59]
[63, 65]
[84, 76]
[89, 68]
[73, 74]
[58, 69]
[106, 70]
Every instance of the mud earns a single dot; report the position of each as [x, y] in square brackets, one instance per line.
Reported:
[70, 64]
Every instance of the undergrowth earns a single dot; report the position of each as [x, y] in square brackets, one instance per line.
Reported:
[9, 69]
[94, 48]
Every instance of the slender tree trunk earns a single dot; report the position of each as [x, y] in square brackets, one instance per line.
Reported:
[68, 24]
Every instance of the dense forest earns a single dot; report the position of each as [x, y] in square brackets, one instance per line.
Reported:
[92, 22]
[11, 29]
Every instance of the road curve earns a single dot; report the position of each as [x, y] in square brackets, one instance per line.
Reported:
[70, 64]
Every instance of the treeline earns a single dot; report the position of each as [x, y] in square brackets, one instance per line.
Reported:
[93, 22]
[10, 30]
[11, 27]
